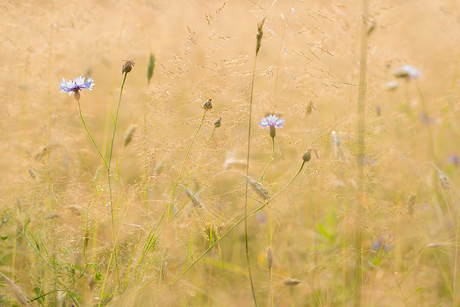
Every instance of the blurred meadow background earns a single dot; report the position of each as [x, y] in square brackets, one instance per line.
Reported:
[159, 219]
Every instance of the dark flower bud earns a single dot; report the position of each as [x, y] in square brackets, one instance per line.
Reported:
[207, 105]
[127, 67]
[218, 122]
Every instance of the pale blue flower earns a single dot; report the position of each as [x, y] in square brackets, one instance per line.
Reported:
[408, 71]
[76, 85]
[272, 120]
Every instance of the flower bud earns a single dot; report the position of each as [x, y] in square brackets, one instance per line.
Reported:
[306, 156]
[218, 122]
[77, 95]
[127, 67]
[272, 131]
[207, 105]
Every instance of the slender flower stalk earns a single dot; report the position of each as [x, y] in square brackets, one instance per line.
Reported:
[259, 36]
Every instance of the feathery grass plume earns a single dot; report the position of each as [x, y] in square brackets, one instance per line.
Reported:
[195, 200]
[411, 203]
[260, 33]
[32, 174]
[291, 282]
[258, 189]
[269, 256]
[234, 163]
[128, 66]
[17, 292]
[150, 67]
[443, 180]
[129, 134]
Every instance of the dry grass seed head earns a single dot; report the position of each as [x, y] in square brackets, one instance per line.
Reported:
[411, 203]
[194, 198]
[291, 282]
[269, 256]
[17, 292]
[129, 134]
[258, 189]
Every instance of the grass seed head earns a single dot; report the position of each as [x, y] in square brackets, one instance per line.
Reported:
[150, 67]
[129, 134]
[443, 180]
[411, 203]
[17, 292]
[291, 282]
[269, 256]
[195, 200]
[260, 33]
[257, 187]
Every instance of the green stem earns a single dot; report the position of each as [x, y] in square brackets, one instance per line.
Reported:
[90, 135]
[112, 211]
[247, 184]
[270, 162]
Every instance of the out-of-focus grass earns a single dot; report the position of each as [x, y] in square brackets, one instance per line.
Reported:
[56, 237]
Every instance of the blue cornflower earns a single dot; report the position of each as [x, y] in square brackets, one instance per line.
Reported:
[408, 72]
[76, 86]
[272, 122]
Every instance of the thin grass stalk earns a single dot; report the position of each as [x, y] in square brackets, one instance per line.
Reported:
[112, 211]
[270, 272]
[361, 132]
[258, 44]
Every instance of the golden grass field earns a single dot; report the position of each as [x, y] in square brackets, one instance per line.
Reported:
[173, 214]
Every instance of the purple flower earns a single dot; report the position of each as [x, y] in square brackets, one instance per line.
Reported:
[383, 243]
[75, 86]
[408, 72]
[272, 121]
[454, 159]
